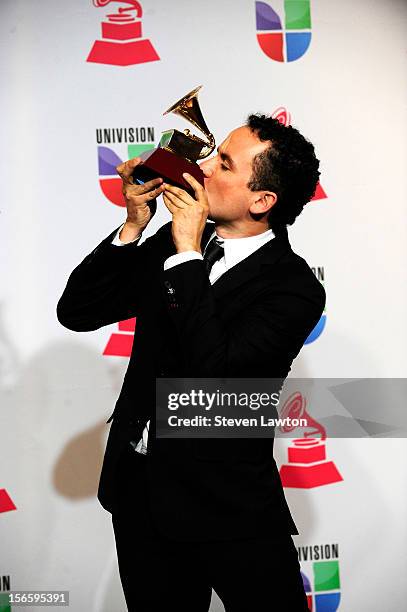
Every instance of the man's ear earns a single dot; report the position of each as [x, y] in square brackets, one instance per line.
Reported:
[262, 202]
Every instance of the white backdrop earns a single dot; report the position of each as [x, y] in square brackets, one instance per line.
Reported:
[348, 94]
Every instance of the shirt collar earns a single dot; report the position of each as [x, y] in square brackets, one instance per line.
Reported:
[237, 249]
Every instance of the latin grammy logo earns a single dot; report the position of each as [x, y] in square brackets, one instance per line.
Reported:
[120, 343]
[284, 117]
[122, 43]
[307, 465]
[6, 503]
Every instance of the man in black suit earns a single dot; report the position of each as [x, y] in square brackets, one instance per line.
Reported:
[222, 299]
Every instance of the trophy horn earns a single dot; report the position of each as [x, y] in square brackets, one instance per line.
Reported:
[188, 107]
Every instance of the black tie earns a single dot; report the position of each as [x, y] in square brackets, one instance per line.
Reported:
[213, 252]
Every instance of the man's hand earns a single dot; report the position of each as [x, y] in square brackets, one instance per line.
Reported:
[188, 214]
[137, 198]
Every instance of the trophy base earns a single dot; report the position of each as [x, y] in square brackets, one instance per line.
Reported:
[122, 53]
[169, 166]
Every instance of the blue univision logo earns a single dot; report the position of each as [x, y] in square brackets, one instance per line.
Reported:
[320, 326]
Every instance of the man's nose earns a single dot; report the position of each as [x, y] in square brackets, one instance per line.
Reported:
[206, 168]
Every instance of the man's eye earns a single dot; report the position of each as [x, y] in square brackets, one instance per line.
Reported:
[224, 167]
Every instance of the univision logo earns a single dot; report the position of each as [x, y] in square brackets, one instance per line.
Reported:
[135, 141]
[320, 576]
[5, 588]
[284, 39]
[320, 326]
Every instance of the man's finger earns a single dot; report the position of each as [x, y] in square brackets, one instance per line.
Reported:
[125, 170]
[175, 190]
[196, 186]
[175, 200]
[132, 191]
[168, 204]
[146, 187]
[181, 194]
[154, 193]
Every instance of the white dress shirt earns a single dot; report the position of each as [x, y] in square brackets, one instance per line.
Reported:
[235, 250]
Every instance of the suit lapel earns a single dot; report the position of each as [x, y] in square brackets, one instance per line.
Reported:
[207, 233]
[252, 266]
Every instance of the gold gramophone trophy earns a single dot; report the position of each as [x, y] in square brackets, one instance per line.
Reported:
[178, 151]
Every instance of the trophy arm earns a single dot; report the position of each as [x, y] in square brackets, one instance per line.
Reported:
[135, 6]
[209, 147]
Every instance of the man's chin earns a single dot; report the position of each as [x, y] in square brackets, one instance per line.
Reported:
[212, 216]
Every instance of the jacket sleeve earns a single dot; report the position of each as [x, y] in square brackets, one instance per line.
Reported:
[105, 287]
[266, 335]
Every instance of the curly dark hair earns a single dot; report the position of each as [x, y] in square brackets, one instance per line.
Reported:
[288, 167]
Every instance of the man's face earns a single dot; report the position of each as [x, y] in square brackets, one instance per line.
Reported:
[227, 175]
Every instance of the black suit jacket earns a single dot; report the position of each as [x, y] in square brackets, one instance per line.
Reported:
[251, 323]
